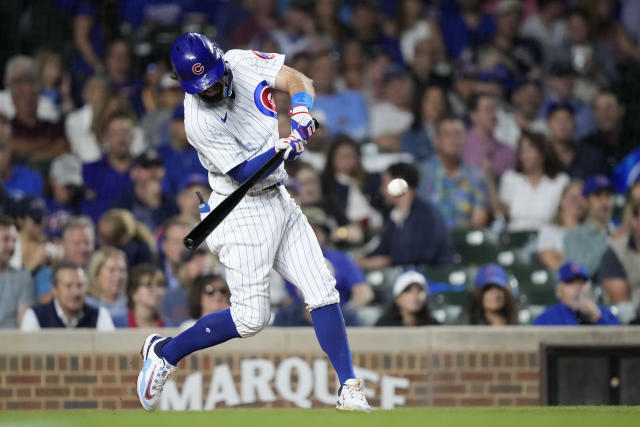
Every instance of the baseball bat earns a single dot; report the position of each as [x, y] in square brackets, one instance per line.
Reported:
[220, 212]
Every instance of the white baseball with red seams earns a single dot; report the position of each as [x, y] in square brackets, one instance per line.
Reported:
[397, 187]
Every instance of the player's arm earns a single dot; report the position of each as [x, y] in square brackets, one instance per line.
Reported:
[300, 88]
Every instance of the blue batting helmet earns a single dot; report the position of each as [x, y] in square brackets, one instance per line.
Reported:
[199, 64]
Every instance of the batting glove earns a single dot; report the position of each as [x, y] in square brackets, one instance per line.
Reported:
[302, 124]
[293, 145]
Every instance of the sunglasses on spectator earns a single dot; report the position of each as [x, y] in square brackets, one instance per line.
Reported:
[211, 290]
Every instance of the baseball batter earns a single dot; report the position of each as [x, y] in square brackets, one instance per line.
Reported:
[231, 120]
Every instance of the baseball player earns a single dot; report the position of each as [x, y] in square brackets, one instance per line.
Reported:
[231, 120]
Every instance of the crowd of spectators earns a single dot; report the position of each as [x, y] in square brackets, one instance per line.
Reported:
[501, 115]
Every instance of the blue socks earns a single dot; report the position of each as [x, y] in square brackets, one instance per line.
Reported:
[218, 327]
[210, 330]
[332, 336]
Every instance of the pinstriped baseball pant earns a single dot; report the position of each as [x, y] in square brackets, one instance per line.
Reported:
[268, 230]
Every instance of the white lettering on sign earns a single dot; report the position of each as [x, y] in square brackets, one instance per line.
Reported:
[256, 376]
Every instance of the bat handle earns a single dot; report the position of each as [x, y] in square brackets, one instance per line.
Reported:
[190, 244]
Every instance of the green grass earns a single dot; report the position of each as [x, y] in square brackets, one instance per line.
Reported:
[432, 417]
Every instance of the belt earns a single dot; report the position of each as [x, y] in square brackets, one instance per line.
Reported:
[271, 187]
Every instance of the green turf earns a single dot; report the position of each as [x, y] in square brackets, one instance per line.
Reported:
[432, 417]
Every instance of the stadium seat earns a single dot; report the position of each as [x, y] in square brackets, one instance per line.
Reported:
[535, 285]
[474, 247]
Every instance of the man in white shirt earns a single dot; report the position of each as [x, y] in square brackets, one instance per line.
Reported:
[68, 308]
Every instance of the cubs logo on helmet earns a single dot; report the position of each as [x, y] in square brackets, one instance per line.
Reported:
[264, 55]
[264, 100]
[197, 68]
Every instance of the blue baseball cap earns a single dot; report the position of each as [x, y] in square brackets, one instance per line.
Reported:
[596, 183]
[491, 274]
[193, 179]
[570, 270]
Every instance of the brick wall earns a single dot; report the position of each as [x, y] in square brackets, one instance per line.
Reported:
[66, 372]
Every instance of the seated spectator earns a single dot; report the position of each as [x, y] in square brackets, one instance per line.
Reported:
[65, 193]
[175, 230]
[409, 306]
[17, 67]
[175, 305]
[526, 100]
[187, 199]
[18, 292]
[18, 180]
[112, 103]
[391, 117]
[36, 250]
[570, 214]
[156, 123]
[575, 306]
[78, 237]
[118, 67]
[55, 82]
[602, 149]
[463, 24]
[345, 110]
[530, 195]
[78, 124]
[586, 243]
[491, 302]
[119, 228]
[590, 59]
[179, 157]
[366, 27]
[562, 128]
[307, 191]
[355, 190]
[415, 232]
[560, 88]
[418, 141]
[427, 66]
[209, 293]
[619, 269]
[519, 54]
[144, 197]
[68, 308]
[459, 192]
[547, 26]
[106, 177]
[33, 141]
[350, 281]
[481, 149]
[107, 281]
[145, 290]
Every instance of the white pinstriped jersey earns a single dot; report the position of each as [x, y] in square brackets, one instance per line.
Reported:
[237, 129]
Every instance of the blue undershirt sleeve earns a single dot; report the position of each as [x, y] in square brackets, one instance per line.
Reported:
[247, 168]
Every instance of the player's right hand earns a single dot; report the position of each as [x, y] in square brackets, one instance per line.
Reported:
[293, 145]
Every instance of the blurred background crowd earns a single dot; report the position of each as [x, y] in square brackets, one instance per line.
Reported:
[515, 124]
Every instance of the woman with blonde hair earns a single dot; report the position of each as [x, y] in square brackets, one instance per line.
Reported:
[119, 228]
[107, 280]
[571, 212]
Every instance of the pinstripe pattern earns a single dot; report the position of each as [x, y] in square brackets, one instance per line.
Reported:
[267, 229]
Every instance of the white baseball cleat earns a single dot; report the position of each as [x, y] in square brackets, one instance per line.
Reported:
[351, 397]
[155, 372]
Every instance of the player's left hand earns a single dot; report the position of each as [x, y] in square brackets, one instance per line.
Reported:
[292, 144]
[302, 124]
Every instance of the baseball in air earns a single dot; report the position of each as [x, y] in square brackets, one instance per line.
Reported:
[397, 187]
